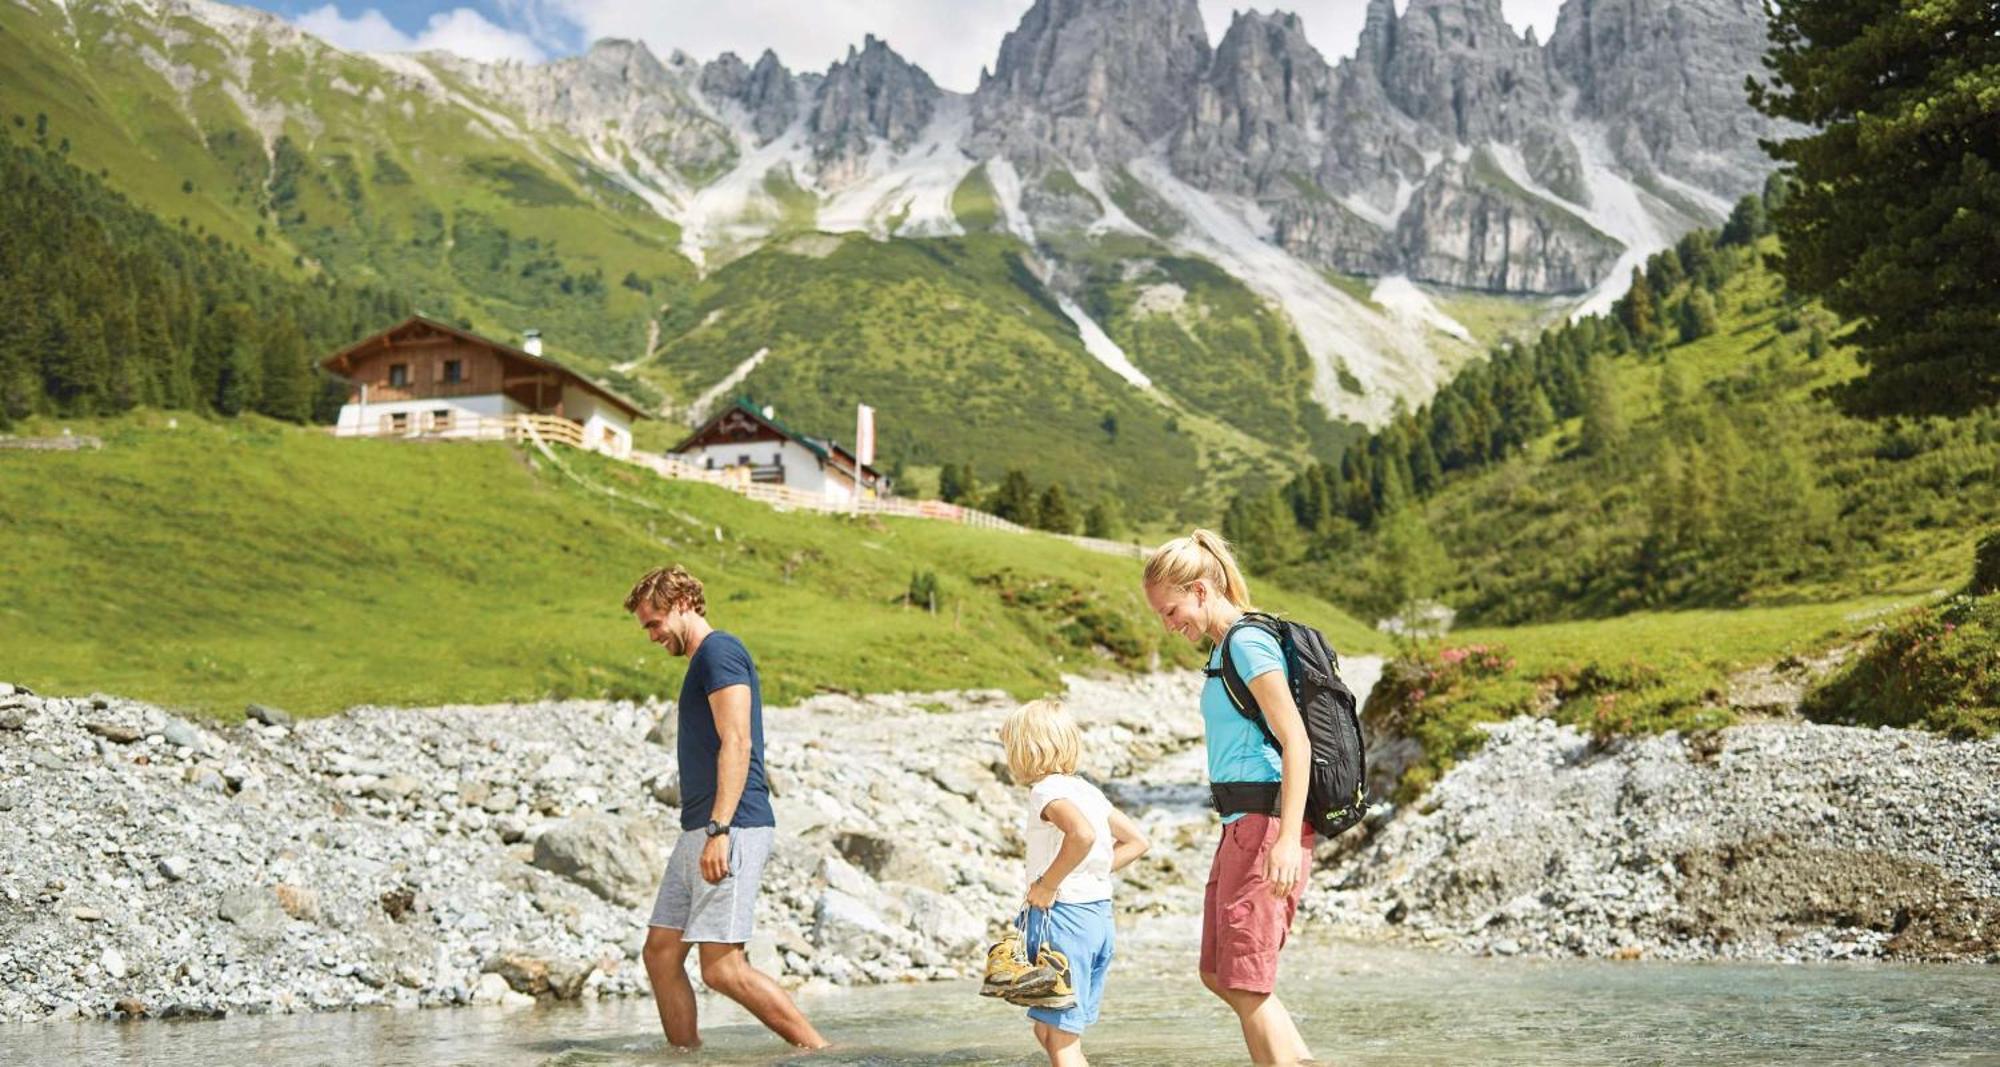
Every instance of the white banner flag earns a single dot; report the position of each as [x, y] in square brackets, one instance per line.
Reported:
[864, 434]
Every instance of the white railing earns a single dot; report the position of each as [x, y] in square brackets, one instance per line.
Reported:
[462, 427]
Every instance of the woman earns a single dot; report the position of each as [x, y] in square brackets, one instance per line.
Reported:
[1258, 875]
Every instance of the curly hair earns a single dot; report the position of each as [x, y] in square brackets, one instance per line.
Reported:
[668, 588]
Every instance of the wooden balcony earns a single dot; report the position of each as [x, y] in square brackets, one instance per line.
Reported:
[383, 394]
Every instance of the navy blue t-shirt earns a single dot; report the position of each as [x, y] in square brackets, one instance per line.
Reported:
[719, 663]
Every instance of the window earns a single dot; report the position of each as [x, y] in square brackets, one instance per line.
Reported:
[743, 460]
[441, 419]
[396, 422]
[399, 374]
[454, 372]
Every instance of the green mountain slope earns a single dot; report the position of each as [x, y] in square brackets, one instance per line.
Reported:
[1682, 453]
[415, 177]
[959, 348]
[104, 306]
[317, 161]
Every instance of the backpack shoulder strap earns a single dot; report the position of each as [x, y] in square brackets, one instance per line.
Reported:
[1239, 693]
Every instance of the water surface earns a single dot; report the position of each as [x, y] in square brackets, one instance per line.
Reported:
[1362, 1005]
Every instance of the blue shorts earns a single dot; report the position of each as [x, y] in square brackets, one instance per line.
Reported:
[1082, 932]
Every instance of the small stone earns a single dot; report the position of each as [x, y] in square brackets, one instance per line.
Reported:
[558, 766]
[511, 999]
[174, 868]
[253, 909]
[114, 732]
[131, 1007]
[12, 720]
[267, 715]
[207, 779]
[529, 974]
[500, 801]
[298, 902]
[394, 787]
[183, 734]
[489, 989]
[666, 788]
[567, 978]
[88, 915]
[397, 902]
[113, 962]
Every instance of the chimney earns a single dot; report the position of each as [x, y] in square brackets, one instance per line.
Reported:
[531, 342]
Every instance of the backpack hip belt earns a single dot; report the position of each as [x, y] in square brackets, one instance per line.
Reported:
[1244, 798]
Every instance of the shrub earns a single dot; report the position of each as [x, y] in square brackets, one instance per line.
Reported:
[1936, 668]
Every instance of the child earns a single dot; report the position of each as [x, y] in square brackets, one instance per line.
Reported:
[1075, 840]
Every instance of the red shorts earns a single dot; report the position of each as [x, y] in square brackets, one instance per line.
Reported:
[1242, 925]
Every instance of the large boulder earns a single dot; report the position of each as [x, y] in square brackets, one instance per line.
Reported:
[889, 860]
[942, 921]
[619, 859]
[850, 926]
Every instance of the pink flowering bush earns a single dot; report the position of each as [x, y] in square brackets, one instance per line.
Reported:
[1936, 668]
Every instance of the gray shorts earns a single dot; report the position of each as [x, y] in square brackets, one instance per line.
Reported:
[725, 911]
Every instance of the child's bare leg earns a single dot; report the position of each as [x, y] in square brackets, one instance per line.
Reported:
[1064, 1048]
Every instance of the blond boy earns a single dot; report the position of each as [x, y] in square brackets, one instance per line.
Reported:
[1076, 839]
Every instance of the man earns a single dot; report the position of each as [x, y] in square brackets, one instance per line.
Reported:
[708, 897]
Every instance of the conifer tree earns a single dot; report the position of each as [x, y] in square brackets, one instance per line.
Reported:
[1894, 213]
[1053, 512]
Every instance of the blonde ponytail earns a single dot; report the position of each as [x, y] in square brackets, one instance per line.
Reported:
[1201, 555]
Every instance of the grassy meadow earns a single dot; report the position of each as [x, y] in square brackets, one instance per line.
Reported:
[229, 561]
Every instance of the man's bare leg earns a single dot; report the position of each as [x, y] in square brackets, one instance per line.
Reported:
[666, 965]
[726, 969]
[1269, 1034]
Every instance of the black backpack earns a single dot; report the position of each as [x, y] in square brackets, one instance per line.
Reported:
[1336, 790]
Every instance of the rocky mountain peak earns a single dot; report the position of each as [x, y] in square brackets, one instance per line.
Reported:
[767, 91]
[1378, 34]
[1260, 110]
[1666, 79]
[1086, 80]
[1458, 66]
[873, 93]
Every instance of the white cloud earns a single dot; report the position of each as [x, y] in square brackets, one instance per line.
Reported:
[951, 41]
[461, 30]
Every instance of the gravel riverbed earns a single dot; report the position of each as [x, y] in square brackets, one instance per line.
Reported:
[152, 865]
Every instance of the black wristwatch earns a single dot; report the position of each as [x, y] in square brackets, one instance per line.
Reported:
[716, 829]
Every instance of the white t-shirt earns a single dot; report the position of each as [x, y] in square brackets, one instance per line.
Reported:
[1091, 880]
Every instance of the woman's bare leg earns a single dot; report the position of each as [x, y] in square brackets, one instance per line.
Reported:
[1269, 1034]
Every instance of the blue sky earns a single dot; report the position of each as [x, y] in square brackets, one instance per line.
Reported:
[950, 39]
